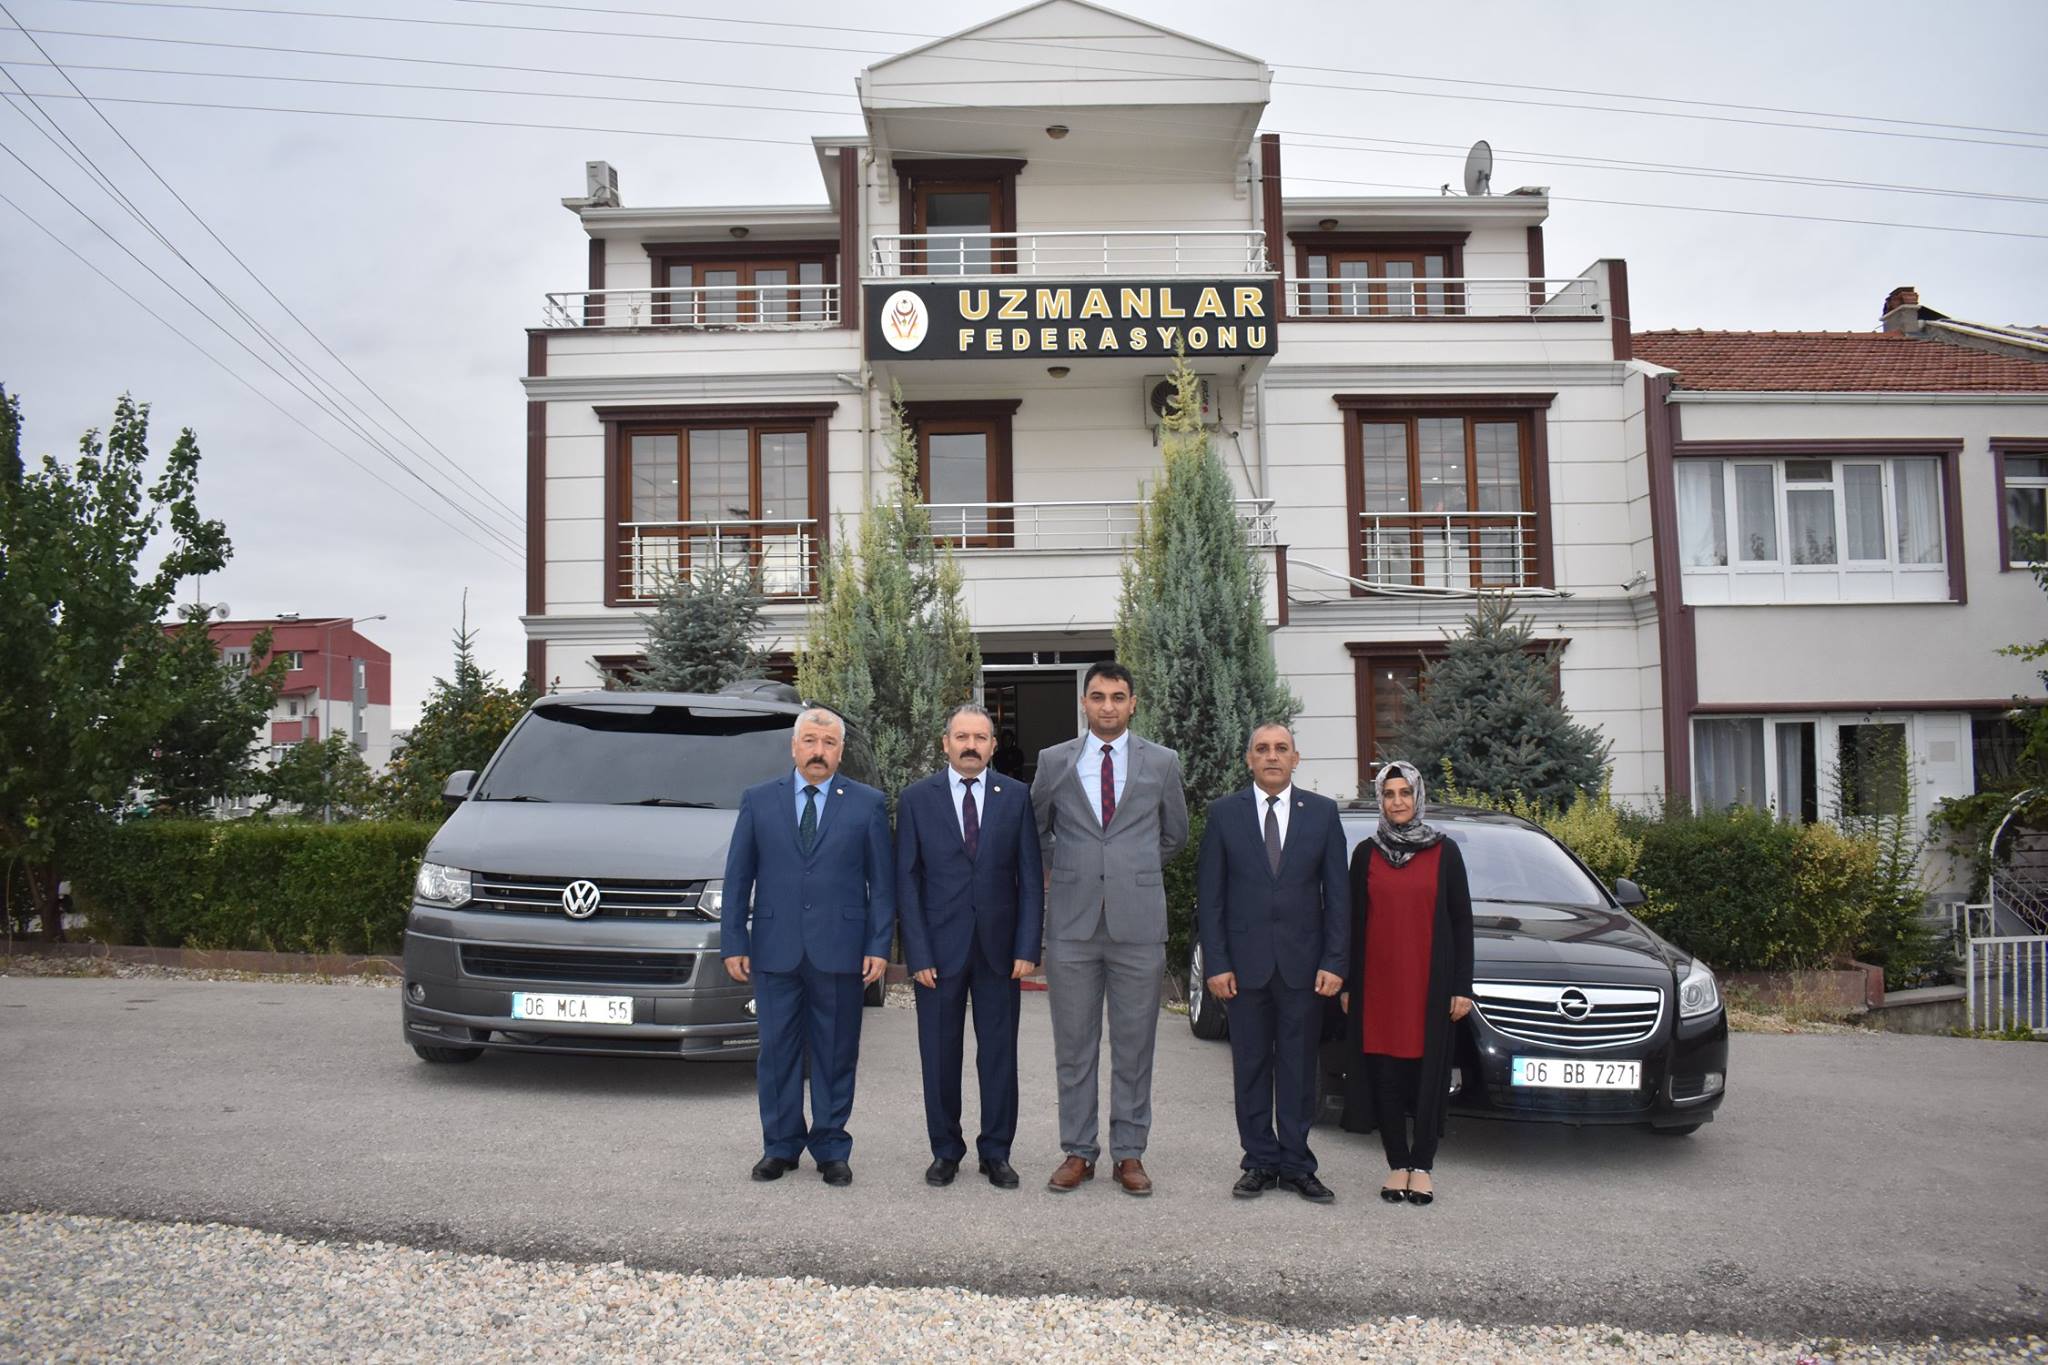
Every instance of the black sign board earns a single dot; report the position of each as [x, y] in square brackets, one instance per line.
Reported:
[1027, 318]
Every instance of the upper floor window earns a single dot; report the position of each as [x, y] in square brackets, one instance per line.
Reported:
[2023, 503]
[751, 284]
[961, 215]
[236, 657]
[1819, 529]
[964, 468]
[293, 659]
[1365, 276]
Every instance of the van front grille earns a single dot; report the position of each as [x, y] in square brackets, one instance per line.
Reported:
[618, 898]
[581, 967]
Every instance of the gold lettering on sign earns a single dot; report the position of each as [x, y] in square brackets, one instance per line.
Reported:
[1020, 338]
[1095, 305]
[1167, 308]
[1077, 338]
[974, 304]
[992, 338]
[1055, 303]
[1049, 338]
[966, 339]
[1255, 338]
[1249, 301]
[1226, 338]
[1210, 305]
[1166, 336]
[1138, 338]
[1108, 340]
[1013, 305]
[1137, 303]
[1198, 338]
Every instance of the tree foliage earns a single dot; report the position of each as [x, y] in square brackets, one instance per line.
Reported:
[465, 719]
[320, 778]
[1489, 708]
[890, 647]
[88, 676]
[1191, 621]
[207, 746]
[700, 635]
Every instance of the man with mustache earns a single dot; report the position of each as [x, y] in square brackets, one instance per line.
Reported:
[810, 856]
[971, 896]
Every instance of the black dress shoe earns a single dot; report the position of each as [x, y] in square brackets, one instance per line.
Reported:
[1254, 1183]
[1421, 1196]
[773, 1167]
[1308, 1187]
[941, 1171]
[836, 1172]
[1000, 1173]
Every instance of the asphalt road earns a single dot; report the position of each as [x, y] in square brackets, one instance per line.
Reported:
[1870, 1187]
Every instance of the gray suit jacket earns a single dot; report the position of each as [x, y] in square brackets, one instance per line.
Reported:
[1111, 874]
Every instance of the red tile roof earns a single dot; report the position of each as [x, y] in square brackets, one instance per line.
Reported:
[1835, 362]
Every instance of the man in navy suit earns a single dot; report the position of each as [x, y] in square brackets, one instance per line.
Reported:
[1273, 907]
[810, 853]
[972, 900]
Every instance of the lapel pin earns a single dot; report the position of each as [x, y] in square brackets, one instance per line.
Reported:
[839, 791]
[995, 789]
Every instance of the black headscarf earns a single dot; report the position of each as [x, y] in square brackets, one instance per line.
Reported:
[1399, 843]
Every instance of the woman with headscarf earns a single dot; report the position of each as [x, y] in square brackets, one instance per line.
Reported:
[1409, 982]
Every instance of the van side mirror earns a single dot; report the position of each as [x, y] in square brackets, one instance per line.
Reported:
[1628, 893]
[456, 789]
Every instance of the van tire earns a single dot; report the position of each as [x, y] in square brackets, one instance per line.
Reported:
[447, 1054]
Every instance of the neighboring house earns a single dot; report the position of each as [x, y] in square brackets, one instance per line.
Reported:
[1837, 519]
[1411, 407]
[338, 682]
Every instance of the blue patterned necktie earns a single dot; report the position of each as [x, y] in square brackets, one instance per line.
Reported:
[807, 828]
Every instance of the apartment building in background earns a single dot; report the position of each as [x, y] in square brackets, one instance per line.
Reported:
[338, 681]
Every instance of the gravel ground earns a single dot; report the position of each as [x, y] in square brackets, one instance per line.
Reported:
[76, 1289]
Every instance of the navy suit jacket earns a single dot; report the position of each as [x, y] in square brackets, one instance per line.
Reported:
[834, 907]
[950, 902]
[1257, 924]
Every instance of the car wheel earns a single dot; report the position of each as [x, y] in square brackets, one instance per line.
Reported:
[1206, 1017]
[447, 1054]
[1683, 1130]
[873, 995]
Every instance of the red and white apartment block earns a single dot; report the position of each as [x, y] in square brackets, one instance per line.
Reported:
[338, 682]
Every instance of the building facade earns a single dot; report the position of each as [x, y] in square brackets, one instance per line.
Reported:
[337, 682]
[1411, 407]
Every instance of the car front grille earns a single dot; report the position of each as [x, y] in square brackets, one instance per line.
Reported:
[569, 964]
[1608, 1016]
[617, 898]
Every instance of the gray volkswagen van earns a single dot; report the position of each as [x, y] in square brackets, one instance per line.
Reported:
[571, 902]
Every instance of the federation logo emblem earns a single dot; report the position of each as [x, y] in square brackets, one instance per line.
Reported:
[905, 321]
[580, 899]
[1573, 1004]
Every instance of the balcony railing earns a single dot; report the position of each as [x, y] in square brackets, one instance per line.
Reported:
[742, 307]
[1070, 526]
[1070, 255]
[1447, 551]
[782, 554]
[1438, 297]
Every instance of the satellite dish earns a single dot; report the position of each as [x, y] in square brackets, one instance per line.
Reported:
[220, 611]
[1479, 169]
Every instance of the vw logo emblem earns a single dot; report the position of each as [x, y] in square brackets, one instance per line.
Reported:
[1572, 1003]
[579, 899]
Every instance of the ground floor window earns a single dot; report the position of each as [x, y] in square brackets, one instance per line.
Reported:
[1389, 675]
[1816, 766]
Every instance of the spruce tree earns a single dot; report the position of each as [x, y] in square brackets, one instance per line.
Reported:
[1489, 710]
[701, 634]
[465, 719]
[1191, 624]
[889, 645]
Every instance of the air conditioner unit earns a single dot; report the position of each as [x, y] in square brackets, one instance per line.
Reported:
[1159, 396]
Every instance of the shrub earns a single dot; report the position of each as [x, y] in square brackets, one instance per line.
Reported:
[1603, 835]
[283, 888]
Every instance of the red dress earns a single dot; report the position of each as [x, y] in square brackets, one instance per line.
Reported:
[1400, 921]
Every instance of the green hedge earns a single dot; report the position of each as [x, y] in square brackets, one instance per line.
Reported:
[281, 888]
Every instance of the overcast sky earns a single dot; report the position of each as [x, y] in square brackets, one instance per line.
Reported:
[419, 250]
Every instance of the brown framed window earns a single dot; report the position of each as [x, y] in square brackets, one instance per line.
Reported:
[1446, 500]
[964, 468]
[1388, 675]
[2022, 502]
[1364, 276]
[695, 487]
[962, 213]
[753, 284]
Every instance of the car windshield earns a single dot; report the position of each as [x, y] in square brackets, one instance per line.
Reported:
[1509, 863]
[639, 755]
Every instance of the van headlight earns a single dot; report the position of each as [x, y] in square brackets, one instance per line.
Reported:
[712, 899]
[1698, 994]
[441, 884]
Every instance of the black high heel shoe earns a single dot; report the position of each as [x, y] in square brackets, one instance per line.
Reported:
[1418, 1197]
[1393, 1195]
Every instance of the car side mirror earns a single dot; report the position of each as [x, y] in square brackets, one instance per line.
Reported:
[456, 789]
[1628, 893]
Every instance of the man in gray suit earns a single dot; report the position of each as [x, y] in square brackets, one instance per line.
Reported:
[1110, 813]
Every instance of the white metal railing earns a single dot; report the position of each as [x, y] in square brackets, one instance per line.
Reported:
[1082, 255]
[1447, 551]
[743, 307]
[1440, 297]
[1968, 920]
[2008, 983]
[2023, 901]
[1071, 526]
[782, 553]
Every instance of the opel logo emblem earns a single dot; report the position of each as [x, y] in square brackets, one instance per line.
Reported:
[579, 899]
[1572, 1004]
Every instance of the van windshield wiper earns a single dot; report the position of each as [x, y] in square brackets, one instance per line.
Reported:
[667, 801]
[521, 797]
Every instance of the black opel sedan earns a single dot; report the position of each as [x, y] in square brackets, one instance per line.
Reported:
[1584, 1015]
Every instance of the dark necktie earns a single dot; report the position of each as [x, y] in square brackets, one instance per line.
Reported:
[1108, 784]
[1273, 835]
[807, 828]
[970, 819]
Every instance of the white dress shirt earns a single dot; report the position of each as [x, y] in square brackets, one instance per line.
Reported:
[1089, 769]
[1280, 811]
[957, 784]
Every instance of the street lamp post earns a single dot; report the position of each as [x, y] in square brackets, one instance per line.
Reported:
[327, 690]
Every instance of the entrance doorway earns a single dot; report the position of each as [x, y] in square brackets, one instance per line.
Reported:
[1033, 709]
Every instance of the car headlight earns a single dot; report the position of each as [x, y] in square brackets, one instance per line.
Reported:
[1698, 994]
[441, 884]
[712, 898]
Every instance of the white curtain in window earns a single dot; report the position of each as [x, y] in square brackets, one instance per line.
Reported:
[1702, 513]
[1756, 513]
[1728, 760]
[1916, 486]
[1863, 510]
[1794, 739]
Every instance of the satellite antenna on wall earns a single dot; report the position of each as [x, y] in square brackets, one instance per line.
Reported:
[1479, 169]
[220, 611]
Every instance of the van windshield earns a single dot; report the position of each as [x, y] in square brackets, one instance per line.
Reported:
[639, 755]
